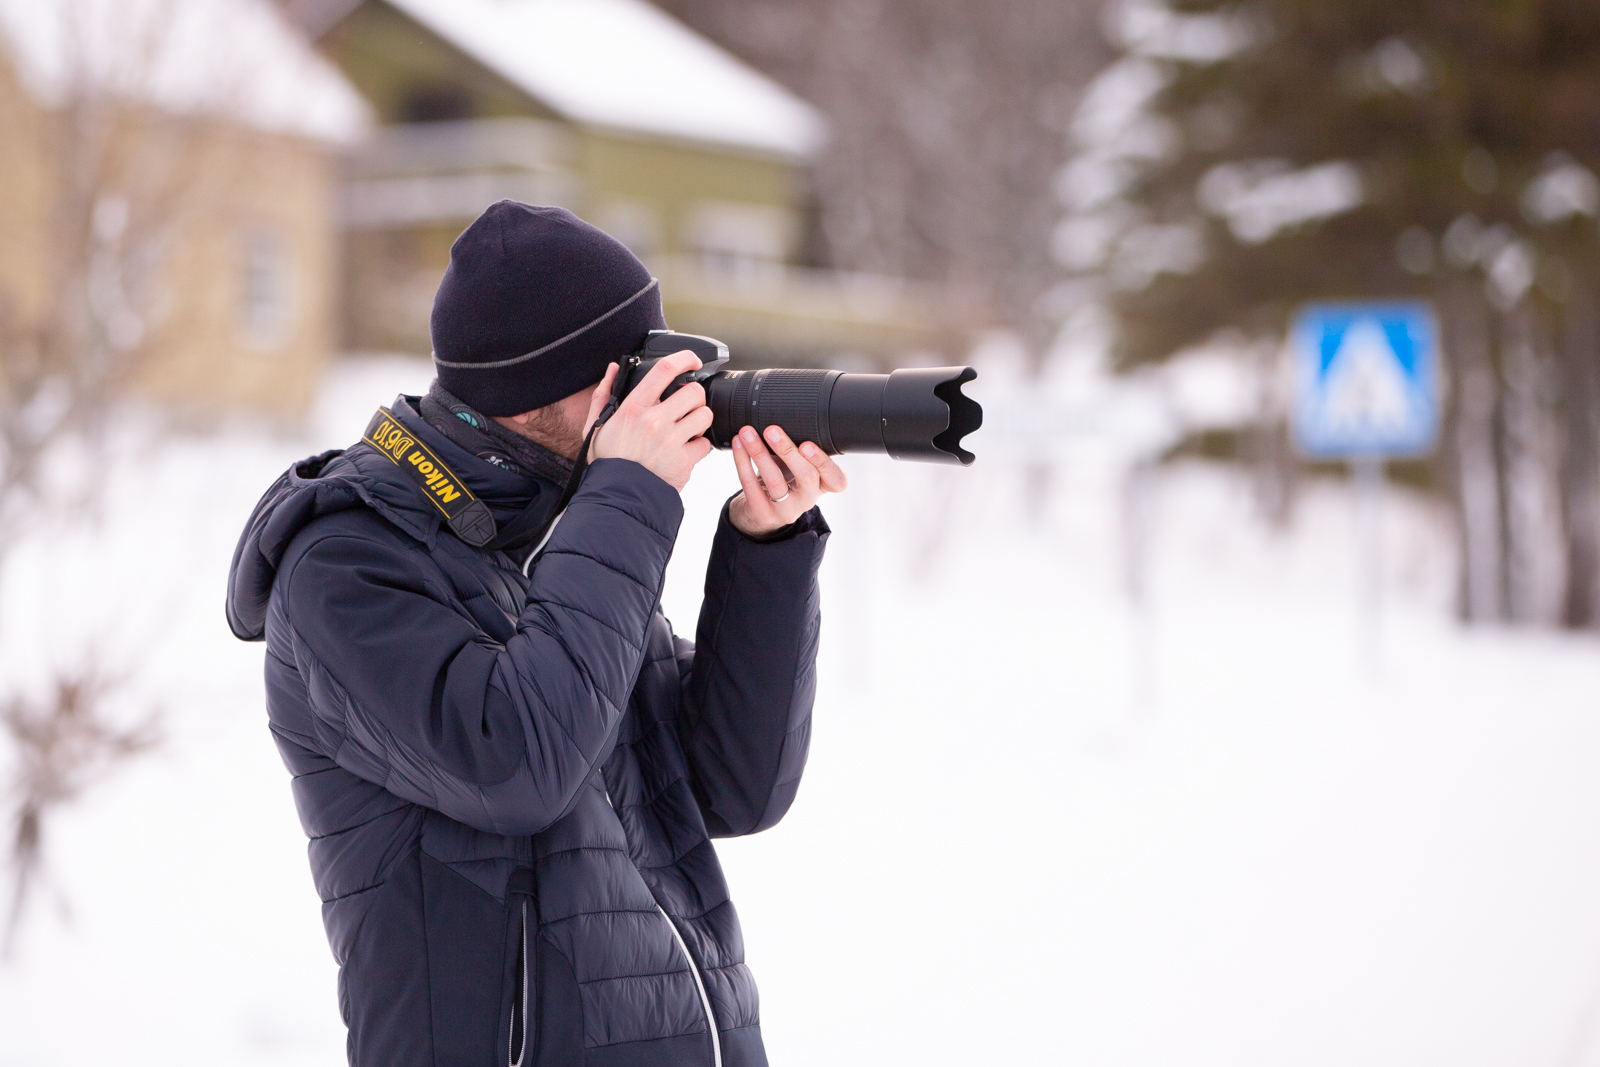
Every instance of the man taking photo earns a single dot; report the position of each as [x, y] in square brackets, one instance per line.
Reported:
[510, 770]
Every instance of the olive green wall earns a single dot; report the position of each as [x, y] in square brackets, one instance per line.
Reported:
[674, 177]
[390, 274]
[388, 56]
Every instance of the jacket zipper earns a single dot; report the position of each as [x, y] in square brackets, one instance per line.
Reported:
[699, 983]
[515, 1056]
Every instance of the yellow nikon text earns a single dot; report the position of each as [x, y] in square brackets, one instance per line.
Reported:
[435, 478]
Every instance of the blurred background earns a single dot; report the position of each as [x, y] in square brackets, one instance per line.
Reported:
[1151, 739]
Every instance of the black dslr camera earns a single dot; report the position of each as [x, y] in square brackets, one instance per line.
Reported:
[916, 413]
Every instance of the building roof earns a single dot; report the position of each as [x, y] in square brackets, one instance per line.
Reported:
[626, 65]
[237, 59]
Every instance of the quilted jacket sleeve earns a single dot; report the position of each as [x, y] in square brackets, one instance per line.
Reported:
[424, 703]
[750, 676]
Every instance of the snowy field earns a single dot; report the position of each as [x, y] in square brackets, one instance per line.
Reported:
[1041, 824]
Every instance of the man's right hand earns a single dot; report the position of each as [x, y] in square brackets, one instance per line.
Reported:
[666, 437]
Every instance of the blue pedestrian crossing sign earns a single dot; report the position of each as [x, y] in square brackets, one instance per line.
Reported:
[1365, 379]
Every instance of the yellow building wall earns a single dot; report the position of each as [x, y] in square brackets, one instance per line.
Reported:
[265, 193]
[200, 194]
[24, 208]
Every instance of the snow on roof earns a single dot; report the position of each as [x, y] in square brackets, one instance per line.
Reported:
[627, 65]
[236, 58]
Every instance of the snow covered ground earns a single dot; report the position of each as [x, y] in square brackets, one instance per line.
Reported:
[1041, 824]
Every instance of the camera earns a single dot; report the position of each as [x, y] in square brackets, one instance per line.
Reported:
[916, 413]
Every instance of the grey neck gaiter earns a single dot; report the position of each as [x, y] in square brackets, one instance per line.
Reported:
[489, 441]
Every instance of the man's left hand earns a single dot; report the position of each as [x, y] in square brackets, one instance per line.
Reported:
[781, 482]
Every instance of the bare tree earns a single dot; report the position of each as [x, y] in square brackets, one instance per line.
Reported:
[121, 180]
[64, 746]
[947, 122]
[1580, 465]
[118, 178]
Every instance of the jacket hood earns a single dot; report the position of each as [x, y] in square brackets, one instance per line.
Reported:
[357, 477]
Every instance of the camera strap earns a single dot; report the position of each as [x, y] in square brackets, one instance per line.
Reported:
[467, 516]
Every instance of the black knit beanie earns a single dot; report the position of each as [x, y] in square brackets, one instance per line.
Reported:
[533, 306]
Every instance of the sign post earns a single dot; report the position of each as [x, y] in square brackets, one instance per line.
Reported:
[1366, 391]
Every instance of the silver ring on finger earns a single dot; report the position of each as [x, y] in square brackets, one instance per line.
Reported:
[780, 499]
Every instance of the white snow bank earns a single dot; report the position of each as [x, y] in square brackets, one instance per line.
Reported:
[1040, 824]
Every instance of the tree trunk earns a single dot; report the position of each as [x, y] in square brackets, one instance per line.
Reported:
[1447, 466]
[1580, 461]
[1268, 452]
[1472, 442]
[1504, 462]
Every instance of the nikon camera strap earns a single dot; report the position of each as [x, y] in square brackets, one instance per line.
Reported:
[468, 517]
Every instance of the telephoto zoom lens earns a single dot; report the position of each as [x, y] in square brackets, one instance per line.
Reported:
[918, 413]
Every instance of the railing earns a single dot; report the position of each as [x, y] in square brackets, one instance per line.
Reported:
[473, 144]
[430, 172]
[778, 312]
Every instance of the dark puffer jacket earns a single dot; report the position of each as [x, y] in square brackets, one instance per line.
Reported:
[505, 776]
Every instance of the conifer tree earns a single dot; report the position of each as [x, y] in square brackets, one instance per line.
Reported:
[1442, 149]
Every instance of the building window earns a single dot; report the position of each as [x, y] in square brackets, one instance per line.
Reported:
[436, 103]
[264, 310]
